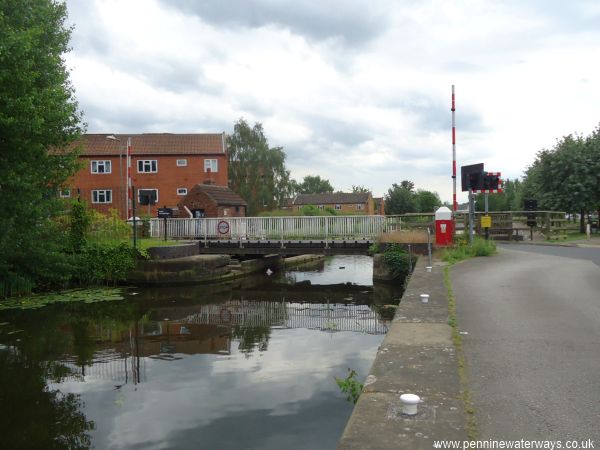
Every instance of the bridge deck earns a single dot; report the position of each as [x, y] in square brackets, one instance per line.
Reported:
[286, 247]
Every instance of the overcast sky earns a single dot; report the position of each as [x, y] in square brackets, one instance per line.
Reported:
[357, 92]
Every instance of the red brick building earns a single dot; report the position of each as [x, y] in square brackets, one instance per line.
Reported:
[163, 168]
[212, 201]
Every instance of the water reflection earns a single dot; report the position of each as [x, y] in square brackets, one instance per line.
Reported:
[207, 367]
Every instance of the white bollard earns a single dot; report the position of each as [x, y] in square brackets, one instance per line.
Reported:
[409, 404]
[428, 268]
[424, 298]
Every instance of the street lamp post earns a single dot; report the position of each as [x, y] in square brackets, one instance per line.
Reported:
[124, 190]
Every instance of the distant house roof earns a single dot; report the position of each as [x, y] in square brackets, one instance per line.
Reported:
[337, 198]
[221, 195]
[152, 144]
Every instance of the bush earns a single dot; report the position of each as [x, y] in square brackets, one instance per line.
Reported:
[106, 263]
[108, 229]
[278, 213]
[81, 220]
[312, 210]
[397, 259]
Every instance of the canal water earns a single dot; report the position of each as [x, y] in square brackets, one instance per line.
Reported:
[248, 365]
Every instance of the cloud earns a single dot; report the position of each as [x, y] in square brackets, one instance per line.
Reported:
[350, 22]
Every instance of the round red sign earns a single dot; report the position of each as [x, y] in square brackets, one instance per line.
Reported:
[223, 227]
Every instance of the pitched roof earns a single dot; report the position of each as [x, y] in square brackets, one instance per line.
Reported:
[221, 195]
[324, 199]
[152, 144]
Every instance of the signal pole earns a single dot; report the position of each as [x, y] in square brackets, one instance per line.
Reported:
[453, 109]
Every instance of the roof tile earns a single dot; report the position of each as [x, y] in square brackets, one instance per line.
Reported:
[152, 144]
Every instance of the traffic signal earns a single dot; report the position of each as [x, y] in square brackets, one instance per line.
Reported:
[471, 177]
[476, 180]
[491, 182]
[530, 205]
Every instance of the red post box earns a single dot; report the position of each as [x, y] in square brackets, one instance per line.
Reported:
[444, 227]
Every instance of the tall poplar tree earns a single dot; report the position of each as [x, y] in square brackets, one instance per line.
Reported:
[256, 171]
[38, 115]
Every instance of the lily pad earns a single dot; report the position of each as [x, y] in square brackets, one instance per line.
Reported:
[73, 295]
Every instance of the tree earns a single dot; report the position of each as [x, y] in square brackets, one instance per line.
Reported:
[314, 184]
[565, 178]
[400, 199]
[256, 171]
[360, 189]
[38, 115]
[408, 185]
[427, 201]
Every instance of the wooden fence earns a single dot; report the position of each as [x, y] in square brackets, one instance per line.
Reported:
[508, 224]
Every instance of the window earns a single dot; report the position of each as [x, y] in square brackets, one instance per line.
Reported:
[321, 206]
[360, 206]
[102, 196]
[181, 162]
[211, 164]
[338, 206]
[100, 166]
[147, 196]
[181, 191]
[64, 193]
[147, 166]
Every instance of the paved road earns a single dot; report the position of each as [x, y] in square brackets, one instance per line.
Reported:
[533, 342]
[588, 253]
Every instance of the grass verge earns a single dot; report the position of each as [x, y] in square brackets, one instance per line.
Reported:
[463, 250]
[462, 369]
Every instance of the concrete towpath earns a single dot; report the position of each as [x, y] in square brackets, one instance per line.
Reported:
[533, 343]
[417, 356]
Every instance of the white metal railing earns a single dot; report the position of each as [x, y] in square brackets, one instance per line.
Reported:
[276, 228]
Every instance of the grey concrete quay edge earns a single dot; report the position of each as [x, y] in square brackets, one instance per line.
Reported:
[418, 357]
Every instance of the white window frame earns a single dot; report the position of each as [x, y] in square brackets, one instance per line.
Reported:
[182, 163]
[146, 189]
[212, 164]
[64, 193]
[104, 163]
[360, 206]
[182, 191]
[338, 206]
[99, 196]
[150, 164]
[321, 206]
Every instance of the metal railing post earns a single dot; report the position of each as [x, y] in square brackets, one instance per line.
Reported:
[205, 223]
